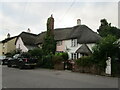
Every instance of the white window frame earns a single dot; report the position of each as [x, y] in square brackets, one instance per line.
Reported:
[74, 56]
[74, 43]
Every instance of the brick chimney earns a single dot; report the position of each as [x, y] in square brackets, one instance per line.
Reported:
[50, 25]
[52, 22]
[78, 22]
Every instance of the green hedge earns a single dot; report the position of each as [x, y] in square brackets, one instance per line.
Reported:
[57, 59]
[84, 61]
[64, 55]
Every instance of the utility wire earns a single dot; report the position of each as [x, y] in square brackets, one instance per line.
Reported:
[67, 10]
[23, 13]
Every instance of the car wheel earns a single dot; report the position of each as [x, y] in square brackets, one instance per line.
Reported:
[21, 65]
[32, 67]
[9, 64]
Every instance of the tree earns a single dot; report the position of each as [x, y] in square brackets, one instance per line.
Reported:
[49, 44]
[105, 48]
[37, 52]
[106, 29]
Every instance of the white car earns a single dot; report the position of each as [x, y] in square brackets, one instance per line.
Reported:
[1, 58]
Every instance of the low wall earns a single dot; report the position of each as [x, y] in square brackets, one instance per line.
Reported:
[59, 66]
[85, 69]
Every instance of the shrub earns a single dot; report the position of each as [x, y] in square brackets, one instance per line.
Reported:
[64, 55]
[84, 61]
[37, 52]
[26, 54]
[47, 61]
[57, 59]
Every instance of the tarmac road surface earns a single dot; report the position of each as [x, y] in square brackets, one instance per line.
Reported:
[45, 78]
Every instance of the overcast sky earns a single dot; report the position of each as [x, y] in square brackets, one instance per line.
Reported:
[16, 17]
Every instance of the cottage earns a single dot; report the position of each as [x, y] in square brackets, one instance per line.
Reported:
[26, 41]
[7, 45]
[77, 40]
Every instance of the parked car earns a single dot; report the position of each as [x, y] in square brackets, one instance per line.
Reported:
[1, 59]
[22, 61]
[5, 60]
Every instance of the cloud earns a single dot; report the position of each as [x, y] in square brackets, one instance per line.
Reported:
[17, 17]
[8, 25]
[59, 0]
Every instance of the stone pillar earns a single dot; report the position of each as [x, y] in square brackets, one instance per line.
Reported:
[108, 66]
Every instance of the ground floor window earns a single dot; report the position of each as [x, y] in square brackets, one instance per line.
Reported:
[83, 54]
[77, 55]
[3, 53]
[74, 56]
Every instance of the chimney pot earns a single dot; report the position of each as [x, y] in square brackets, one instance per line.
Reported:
[52, 15]
[28, 30]
[8, 35]
[78, 22]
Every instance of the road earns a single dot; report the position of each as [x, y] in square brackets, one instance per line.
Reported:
[45, 78]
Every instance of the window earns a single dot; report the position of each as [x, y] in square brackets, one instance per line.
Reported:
[74, 42]
[74, 56]
[83, 54]
[3, 53]
[77, 55]
[59, 43]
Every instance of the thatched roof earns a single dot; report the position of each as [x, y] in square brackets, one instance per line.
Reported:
[84, 34]
[8, 39]
[60, 34]
[84, 49]
[81, 32]
[40, 38]
[28, 38]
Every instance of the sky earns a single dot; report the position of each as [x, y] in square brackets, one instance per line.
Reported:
[17, 16]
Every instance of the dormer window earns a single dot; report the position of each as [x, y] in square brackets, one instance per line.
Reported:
[73, 42]
[59, 43]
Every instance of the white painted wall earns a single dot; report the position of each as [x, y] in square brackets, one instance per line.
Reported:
[70, 48]
[67, 43]
[20, 45]
[91, 45]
